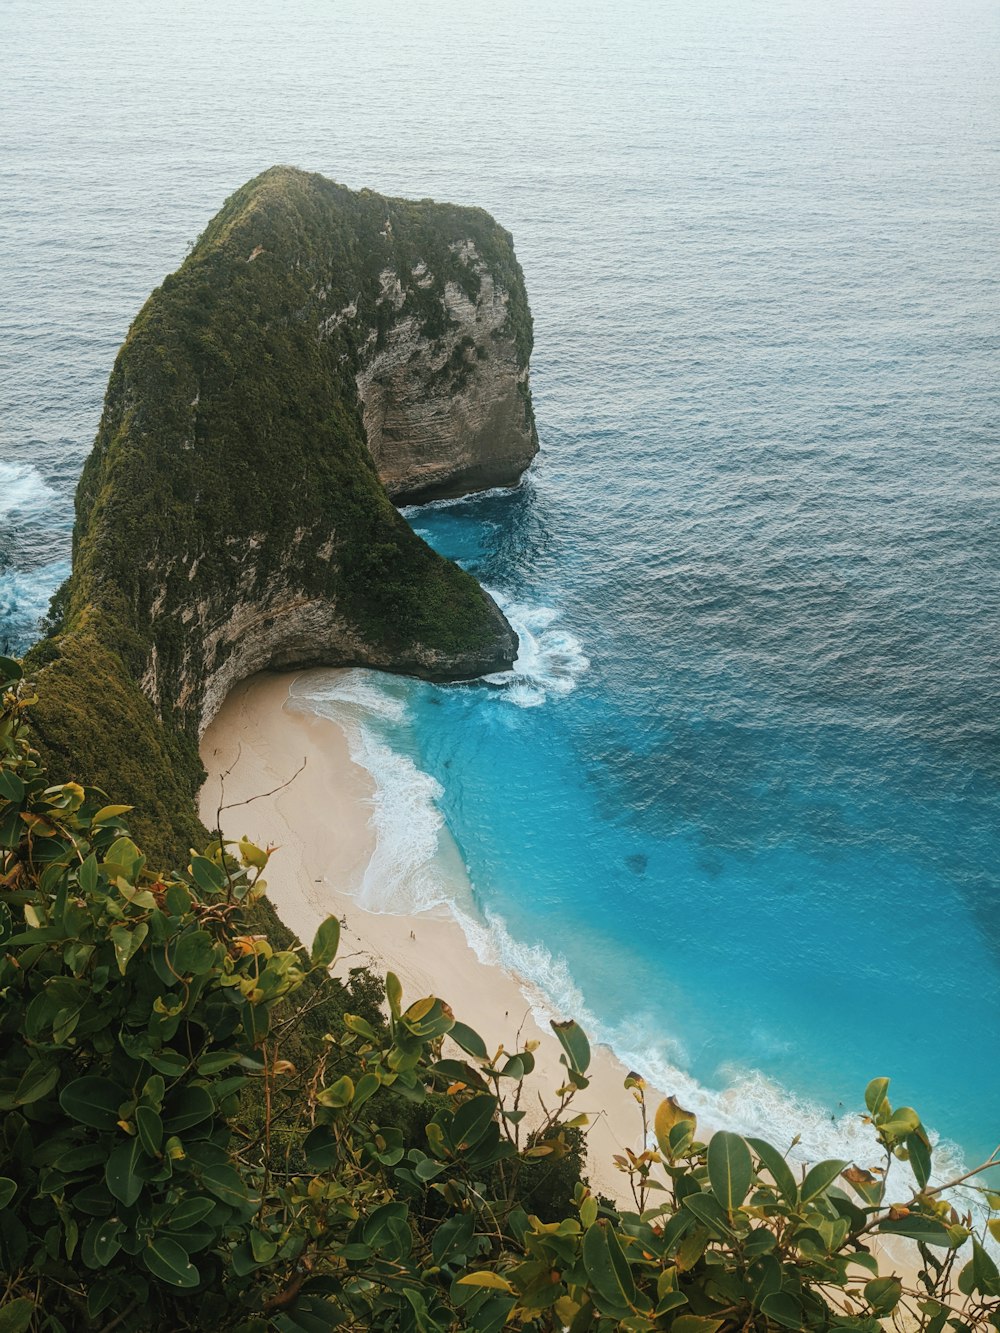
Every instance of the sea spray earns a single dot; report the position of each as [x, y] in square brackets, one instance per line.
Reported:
[550, 658]
[24, 599]
[23, 491]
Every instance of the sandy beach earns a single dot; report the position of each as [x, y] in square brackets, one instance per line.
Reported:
[289, 780]
[320, 822]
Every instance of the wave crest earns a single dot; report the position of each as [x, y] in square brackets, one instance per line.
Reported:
[550, 660]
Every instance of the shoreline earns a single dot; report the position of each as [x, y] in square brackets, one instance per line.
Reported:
[290, 782]
[319, 817]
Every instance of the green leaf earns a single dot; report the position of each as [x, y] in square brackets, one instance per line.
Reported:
[178, 898]
[920, 1157]
[574, 1042]
[11, 786]
[458, 1071]
[926, 1229]
[10, 671]
[984, 1271]
[730, 1169]
[778, 1169]
[388, 1231]
[361, 1026]
[784, 1309]
[326, 943]
[194, 953]
[339, 1094]
[602, 1269]
[207, 875]
[875, 1094]
[452, 1241]
[16, 1315]
[366, 1086]
[709, 1211]
[672, 1300]
[166, 1260]
[101, 1292]
[821, 1177]
[166, 1061]
[242, 1260]
[227, 1185]
[150, 1128]
[883, 1294]
[696, 1323]
[321, 1149]
[8, 1188]
[126, 942]
[469, 1040]
[186, 1108]
[212, 1061]
[109, 814]
[190, 1211]
[765, 1278]
[122, 1172]
[394, 994]
[126, 854]
[36, 1082]
[93, 1101]
[472, 1119]
[903, 1121]
[101, 1242]
[262, 1247]
[87, 875]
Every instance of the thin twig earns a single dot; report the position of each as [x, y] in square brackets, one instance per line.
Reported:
[234, 805]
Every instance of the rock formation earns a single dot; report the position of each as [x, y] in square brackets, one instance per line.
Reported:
[231, 517]
[449, 415]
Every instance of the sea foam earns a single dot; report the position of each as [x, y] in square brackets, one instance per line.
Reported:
[550, 658]
[402, 873]
[749, 1103]
[23, 491]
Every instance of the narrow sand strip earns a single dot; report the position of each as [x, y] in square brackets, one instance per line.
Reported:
[320, 822]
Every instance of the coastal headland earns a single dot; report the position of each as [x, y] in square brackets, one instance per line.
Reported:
[318, 350]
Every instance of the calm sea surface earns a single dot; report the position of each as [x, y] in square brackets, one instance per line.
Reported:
[739, 803]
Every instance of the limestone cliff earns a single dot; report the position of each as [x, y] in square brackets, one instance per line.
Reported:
[452, 414]
[231, 517]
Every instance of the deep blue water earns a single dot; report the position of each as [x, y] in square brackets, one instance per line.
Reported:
[741, 803]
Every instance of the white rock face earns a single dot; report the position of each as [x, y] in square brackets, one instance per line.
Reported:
[448, 415]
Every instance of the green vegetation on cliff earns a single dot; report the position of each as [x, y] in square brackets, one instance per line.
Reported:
[201, 1130]
[230, 517]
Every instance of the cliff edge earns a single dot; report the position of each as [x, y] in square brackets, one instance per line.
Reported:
[319, 351]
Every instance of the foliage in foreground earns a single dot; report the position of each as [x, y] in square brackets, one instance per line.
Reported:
[164, 1164]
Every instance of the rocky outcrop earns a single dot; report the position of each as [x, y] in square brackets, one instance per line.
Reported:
[452, 415]
[232, 517]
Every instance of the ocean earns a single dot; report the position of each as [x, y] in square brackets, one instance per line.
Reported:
[737, 805]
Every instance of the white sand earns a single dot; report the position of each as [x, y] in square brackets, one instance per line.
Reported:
[320, 823]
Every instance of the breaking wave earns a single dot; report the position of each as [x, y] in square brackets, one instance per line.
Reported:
[550, 660]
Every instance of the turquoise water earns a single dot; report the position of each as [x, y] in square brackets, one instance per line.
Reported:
[739, 803]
